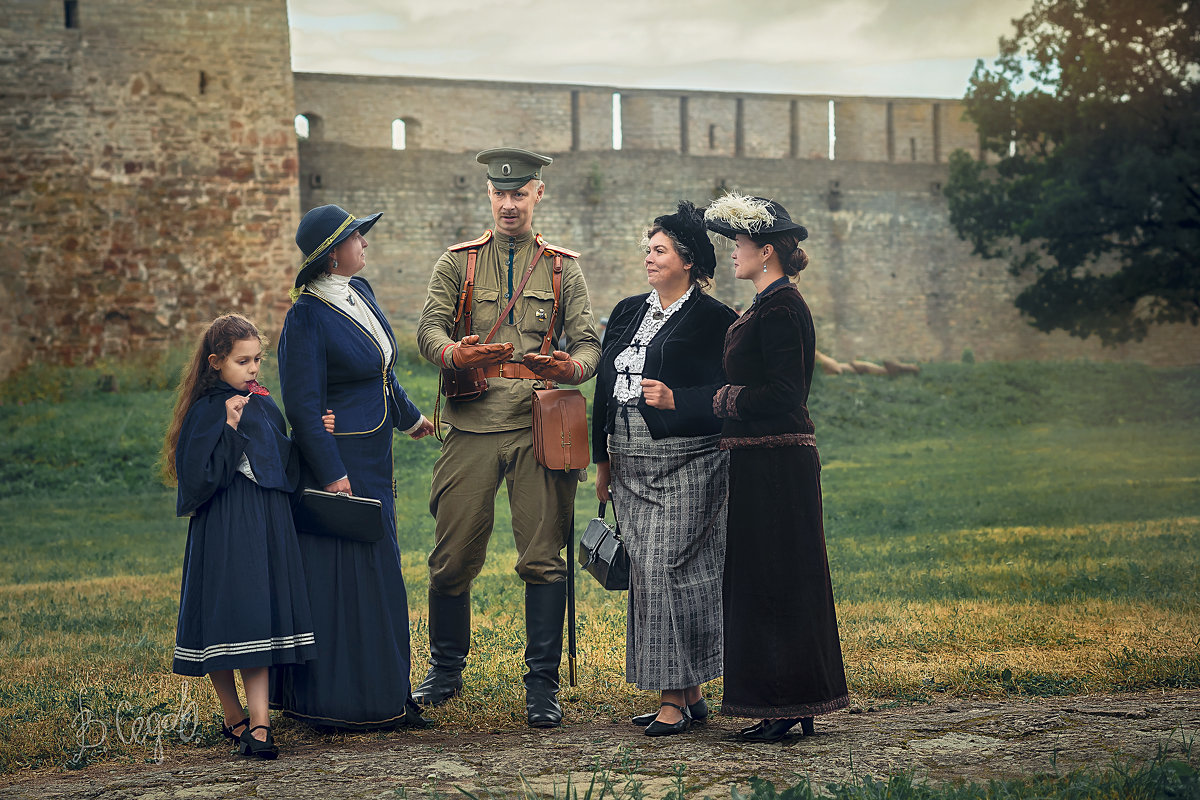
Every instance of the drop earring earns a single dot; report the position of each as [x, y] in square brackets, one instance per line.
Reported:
[333, 264]
[764, 266]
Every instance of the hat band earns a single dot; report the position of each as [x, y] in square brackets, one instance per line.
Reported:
[524, 179]
[349, 218]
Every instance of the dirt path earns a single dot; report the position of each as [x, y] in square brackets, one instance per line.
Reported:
[973, 740]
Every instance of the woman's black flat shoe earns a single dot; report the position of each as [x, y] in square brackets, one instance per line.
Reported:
[227, 730]
[657, 728]
[249, 746]
[769, 730]
[698, 710]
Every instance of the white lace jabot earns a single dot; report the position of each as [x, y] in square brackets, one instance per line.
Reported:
[632, 360]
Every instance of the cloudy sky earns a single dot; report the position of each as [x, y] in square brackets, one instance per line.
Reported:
[918, 48]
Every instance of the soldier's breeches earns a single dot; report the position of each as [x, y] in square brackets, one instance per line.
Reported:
[462, 500]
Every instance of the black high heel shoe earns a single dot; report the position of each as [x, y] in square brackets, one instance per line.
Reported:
[657, 728]
[771, 730]
[227, 730]
[698, 710]
[249, 746]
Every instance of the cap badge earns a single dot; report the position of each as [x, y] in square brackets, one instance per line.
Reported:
[506, 169]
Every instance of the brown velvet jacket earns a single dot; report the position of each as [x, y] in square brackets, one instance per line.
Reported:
[769, 354]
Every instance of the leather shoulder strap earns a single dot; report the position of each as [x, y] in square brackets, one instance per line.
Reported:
[466, 294]
[556, 281]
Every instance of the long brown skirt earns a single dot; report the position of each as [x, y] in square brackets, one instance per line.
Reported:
[782, 653]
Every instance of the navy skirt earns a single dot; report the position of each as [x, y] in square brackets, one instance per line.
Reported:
[242, 603]
[360, 678]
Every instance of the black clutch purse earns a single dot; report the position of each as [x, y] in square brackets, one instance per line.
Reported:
[340, 515]
[602, 553]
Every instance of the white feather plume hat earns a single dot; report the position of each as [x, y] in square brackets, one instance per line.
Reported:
[735, 213]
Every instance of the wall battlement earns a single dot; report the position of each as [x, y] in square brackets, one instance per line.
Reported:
[449, 116]
[152, 178]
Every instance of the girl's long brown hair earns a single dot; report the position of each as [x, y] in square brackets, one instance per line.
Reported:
[199, 376]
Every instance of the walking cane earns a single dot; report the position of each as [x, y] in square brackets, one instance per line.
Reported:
[571, 599]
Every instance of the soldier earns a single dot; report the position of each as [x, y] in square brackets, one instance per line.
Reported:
[490, 438]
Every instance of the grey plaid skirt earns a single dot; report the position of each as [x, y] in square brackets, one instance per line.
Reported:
[670, 496]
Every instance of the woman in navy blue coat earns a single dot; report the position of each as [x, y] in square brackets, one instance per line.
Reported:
[337, 353]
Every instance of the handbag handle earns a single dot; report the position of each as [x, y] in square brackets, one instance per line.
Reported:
[617, 526]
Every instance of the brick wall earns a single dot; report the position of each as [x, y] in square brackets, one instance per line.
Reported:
[888, 277]
[149, 168]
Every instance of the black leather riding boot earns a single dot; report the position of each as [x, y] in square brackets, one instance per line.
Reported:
[449, 641]
[545, 607]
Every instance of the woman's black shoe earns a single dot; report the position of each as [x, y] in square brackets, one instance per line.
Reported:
[227, 730]
[657, 728]
[769, 730]
[806, 725]
[698, 710]
[413, 718]
[249, 746]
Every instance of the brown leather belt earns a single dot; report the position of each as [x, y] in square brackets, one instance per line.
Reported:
[510, 370]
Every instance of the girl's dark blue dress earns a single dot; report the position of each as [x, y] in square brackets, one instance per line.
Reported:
[243, 602]
[360, 678]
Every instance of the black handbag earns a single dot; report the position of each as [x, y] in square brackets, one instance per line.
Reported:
[602, 553]
[340, 515]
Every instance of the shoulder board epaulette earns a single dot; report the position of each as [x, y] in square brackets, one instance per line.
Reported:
[482, 240]
[553, 248]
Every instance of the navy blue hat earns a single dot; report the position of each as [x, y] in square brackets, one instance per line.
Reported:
[322, 229]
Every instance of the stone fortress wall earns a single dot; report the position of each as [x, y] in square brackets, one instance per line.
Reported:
[148, 173]
[888, 277]
[151, 178]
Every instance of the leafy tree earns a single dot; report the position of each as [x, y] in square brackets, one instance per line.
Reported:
[1089, 123]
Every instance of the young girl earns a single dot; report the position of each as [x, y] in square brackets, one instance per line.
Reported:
[244, 603]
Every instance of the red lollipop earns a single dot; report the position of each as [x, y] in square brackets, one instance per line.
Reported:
[257, 388]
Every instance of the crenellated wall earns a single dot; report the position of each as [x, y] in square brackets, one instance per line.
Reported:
[451, 116]
[151, 178]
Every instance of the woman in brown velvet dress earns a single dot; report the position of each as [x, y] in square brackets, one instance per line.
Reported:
[783, 660]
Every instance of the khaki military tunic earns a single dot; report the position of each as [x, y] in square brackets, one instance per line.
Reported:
[491, 438]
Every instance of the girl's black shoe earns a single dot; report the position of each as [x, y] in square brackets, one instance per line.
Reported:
[227, 730]
[249, 746]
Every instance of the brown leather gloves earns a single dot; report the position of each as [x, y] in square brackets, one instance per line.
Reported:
[558, 367]
[468, 353]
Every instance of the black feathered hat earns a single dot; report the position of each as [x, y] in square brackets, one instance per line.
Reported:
[734, 213]
[687, 226]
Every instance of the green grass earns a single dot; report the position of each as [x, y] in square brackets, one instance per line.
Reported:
[993, 529]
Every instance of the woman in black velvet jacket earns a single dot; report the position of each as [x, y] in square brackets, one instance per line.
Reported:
[783, 657]
[655, 442]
